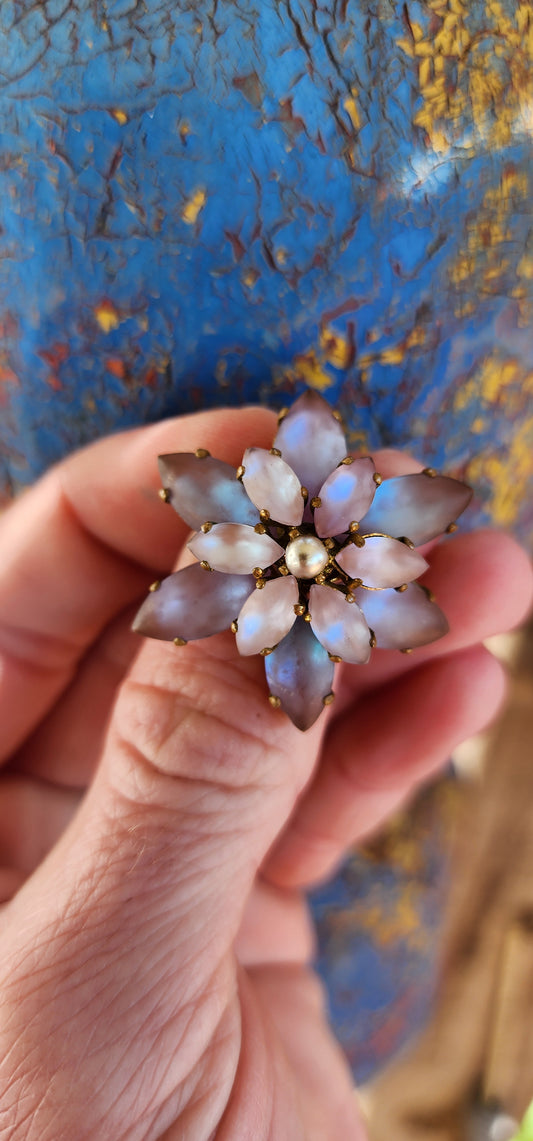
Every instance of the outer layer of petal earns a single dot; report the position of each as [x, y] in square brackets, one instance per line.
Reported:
[300, 673]
[193, 603]
[311, 440]
[382, 562]
[416, 507]
[402, 621]
[235, 549]
[339, 625]
[346, 497]
[267, 616]
[273, 486]
[205, 490]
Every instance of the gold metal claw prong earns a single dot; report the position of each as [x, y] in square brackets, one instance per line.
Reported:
[294, 533]
[354, 527]
[320, 579]
[281, 415]
[355, 583]
[260, 529]
[240, 472]
[234, 627]
[180, 641]
[401, 589]
[264, 515]
[378, 479]
[329, 544]
[205, 565]
[334, 658]
[347, 461]
[408, 650]
[373, 640]
[316, 502]
[283, 570]
[260, 584]
[358, 540]
[164, 494]
[274, 701]
[430, 471]
[154, 586]
[307, 617]
[267, 651]
[336, 415]
[451, 529]
[202, 453]
[206, 527]
[304, 494]
[299, 609]
[275, 452]
[328, 699]
[258, 572]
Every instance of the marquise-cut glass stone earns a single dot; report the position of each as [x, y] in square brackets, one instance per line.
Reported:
[382, 562]
[273, 486]
[235, 549]
[339, 625]
[417, 507]
[311, 440]
[193, 603]
[346, 497]
[267, 616]
[300, 673]
[205, 490]
[402, 621]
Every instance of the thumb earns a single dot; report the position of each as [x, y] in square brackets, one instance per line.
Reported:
[124, 932]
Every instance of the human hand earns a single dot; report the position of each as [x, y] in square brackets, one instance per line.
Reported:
[155, 945]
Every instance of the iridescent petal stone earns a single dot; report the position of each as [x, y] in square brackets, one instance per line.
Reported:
[305, 553]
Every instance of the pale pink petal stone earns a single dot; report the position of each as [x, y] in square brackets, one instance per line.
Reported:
[382, 562]
[346, 497]
[311, 440]
[273, 486]
[193, 603]
[402, 621]
[267, 616]
[339, 625]
[416, 507]
[235, 549]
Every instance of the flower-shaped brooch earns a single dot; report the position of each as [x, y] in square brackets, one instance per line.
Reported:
[306, 553]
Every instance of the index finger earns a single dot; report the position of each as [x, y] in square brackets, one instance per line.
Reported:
[83, 543]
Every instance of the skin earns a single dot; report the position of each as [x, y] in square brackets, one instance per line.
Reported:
[158, 820]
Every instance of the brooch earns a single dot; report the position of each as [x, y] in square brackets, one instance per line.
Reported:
[305, 553]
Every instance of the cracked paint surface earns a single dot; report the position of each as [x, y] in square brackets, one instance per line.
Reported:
[217, 202]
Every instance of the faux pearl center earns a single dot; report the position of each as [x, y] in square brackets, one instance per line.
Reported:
[306, 557]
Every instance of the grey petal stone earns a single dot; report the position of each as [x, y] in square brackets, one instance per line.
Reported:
[273, 486]
[382, 562]
[339, 625]
[402, 621]
[416, 507]
[205, 490]
[311, 440]
[300, 672]
[346, 497]
[193, 603]
[267, 616]
[234, 548]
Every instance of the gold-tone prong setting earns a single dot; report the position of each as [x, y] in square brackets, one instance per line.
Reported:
[267, 651]
[281, 415]
[207, 527]
[328, 699]
[378, 479]
[355, 583]
[164, 494]
[320, 579]
[240, 472]
[373, 639]
[258, 572]
[264, 515]
[307, 617]
[407, 542]
[294, 533]
[334, 658]
[353, 528]
[349, 598]
[299, 609]
[179, 641]
[451, 528]
[154, 586]
[304, 494]
[274, 701]
[260, 529]
[202, 454]
[260, 584]
[401, 589]
[336, 415]
[283, 570]
[275, 452]
[346, 461]
[205, 565]
[329, 544]
[234, 627]
[408, 650]
[429, 471]
[316, 502]
[358, 540]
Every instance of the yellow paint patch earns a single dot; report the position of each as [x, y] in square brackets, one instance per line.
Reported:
[508, 476]
[351, 108]
[309, 368]
[194, 206]
[107, 316]
[119, 115]
[336, 349]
